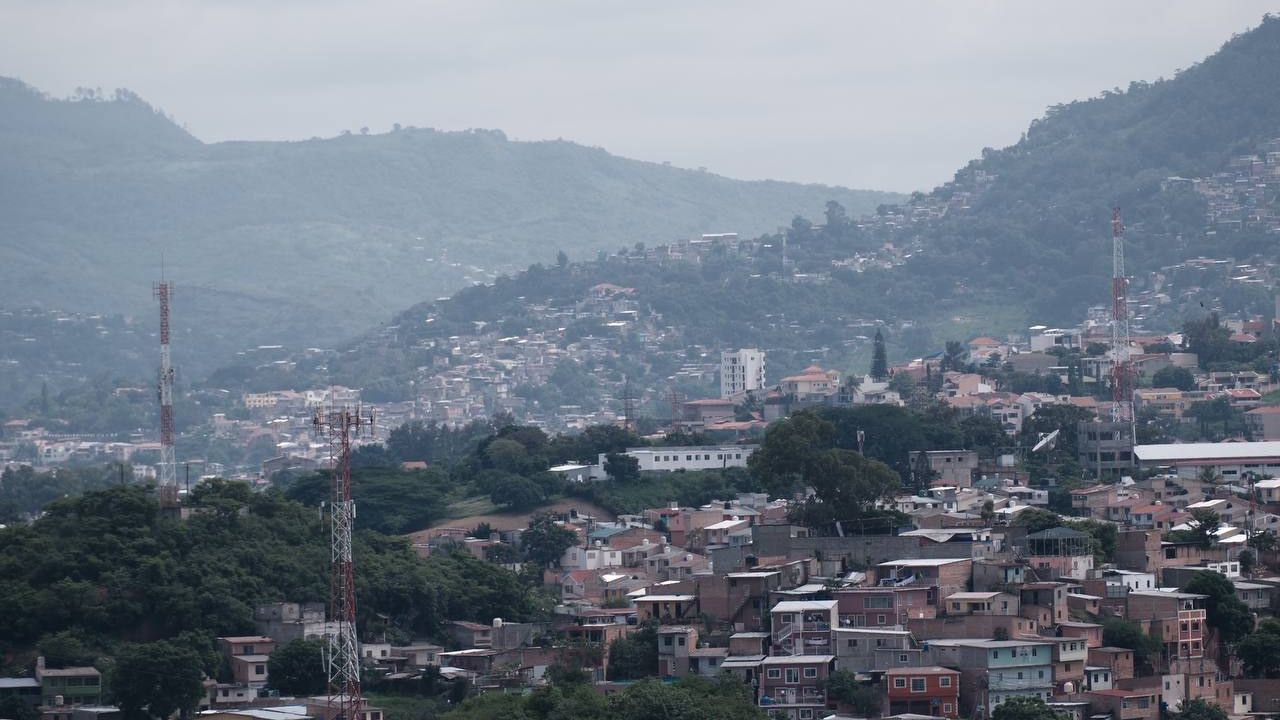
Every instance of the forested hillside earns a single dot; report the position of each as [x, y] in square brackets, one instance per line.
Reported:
[289, 242]
[1033, 219]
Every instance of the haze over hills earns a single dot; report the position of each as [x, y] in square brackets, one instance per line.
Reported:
[1021, 235]
[286, 242]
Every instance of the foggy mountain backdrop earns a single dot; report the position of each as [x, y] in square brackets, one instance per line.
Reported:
[313, 241]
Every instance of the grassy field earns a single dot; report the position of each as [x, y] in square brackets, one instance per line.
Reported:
[483, 511]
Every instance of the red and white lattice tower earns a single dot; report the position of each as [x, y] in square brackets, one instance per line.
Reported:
[1121, 371]
[168, 471]
[342, 658]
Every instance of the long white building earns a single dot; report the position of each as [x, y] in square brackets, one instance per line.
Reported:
[1231, 460]
[701, 457]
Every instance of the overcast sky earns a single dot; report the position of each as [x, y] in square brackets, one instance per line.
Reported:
[886, 95]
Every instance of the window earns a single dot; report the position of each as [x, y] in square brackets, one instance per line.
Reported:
[995, 654]
[917, 684]
[902, 658]
[878, 602]
[793, 675]
[774, 673]
[880, 620]
[666, 640]
[811, 672]
[259, 669]
[880, 642]
[806, 713]
[946, 708]
[680, 641]
[853, 643]
[944, 681]
[899, 682]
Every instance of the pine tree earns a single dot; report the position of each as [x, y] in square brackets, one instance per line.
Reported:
[879, 361]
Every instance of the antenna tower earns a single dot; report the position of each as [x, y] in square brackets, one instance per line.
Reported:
[1121, 372]
[342, 658]
[162, 291]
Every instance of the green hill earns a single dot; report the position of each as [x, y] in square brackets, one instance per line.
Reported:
[1036, 219]
[285, 242]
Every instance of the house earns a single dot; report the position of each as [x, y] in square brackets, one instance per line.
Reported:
[981, 603]
[956, 627]
[1070, 655]
[955, 468]
[1117, 661]
[666, 609]
[992, 574]
[866, 650]
[1094, 500]
[1059, 552]
[1126, 704]
[471, 634]
[700, 457]
[949, 575]
[992, 671]
[793, 686]
[1176, 618]
[885, 606]
[1044, 602]
[803, 626]
[419, 655]
[813, 384]
[933, 691]
[74, 686]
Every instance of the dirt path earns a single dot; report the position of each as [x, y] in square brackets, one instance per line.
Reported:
[514, 521]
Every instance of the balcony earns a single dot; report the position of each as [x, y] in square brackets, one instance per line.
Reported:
[794, 696]
[1011, 683]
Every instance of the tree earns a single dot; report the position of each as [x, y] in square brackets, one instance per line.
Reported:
[69, 648]
[622, 467]
[635, 656]
[1024, 707]
[953, 356]
[156, 680]
[846, 486]
[298, 668]
[1201, 709]
[562, 260]
[1247, 560]
[1260, 650]
[863, 698]
[13, 707]
[545, 540]
[1118, 632]
[1224, 611]
[1204, 526]
[1174, 377]
[516, 493]
[879, 359]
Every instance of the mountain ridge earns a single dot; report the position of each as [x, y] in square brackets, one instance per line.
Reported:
[351, 228]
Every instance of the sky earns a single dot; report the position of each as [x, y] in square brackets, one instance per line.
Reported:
[880, 95]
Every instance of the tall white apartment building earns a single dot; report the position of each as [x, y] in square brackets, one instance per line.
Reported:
[741, 370]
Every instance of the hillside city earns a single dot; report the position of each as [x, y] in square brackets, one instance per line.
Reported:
[1008, 449]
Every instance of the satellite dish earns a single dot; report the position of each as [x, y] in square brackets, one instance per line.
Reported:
[1047, 442]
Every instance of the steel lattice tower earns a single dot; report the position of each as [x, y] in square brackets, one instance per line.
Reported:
[168, 472]
[342, 658]
[1121, 374]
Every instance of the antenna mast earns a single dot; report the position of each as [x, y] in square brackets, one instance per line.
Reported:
[1121, 372]
[342, 658]
[168, 470]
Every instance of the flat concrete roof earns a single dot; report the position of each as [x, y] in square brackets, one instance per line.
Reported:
[1188, 453]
